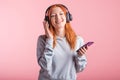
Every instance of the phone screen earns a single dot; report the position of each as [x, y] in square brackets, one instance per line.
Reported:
[88, 44]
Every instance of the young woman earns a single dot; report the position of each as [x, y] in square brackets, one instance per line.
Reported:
[57, 52]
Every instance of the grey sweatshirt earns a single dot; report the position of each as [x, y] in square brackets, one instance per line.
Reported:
[59, 63]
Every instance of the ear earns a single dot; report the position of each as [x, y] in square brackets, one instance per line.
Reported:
[68, 17]
[46, 18]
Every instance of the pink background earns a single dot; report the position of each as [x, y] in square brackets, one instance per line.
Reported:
[94, 20]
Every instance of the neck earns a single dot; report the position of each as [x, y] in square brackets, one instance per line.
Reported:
[60, 32]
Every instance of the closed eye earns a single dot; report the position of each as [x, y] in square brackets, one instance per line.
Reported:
[52, 15]
[61, 13]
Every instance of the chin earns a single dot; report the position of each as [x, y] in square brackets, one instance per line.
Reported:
[61, 26]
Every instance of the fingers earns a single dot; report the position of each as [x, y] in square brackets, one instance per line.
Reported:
[82, 50]
[46, 25]
[47, 30]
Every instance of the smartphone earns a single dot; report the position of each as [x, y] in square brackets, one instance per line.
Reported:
[87, 44]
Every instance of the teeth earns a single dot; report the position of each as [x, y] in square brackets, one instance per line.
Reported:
[59, 22]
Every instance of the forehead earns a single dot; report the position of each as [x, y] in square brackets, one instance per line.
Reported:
[56, 10]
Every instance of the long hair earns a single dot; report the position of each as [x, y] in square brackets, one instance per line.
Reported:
[69, 33]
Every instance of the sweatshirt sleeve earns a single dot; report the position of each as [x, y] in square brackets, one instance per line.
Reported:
[80, 61]
[45, 52]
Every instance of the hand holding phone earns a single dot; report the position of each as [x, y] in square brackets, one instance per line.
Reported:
[87, 44]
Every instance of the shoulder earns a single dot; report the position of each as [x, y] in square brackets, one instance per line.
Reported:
[80, 39]
[42, 38]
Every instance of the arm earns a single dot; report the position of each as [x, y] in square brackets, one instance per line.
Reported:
[80, 62]
[45, 52]
[80, 57]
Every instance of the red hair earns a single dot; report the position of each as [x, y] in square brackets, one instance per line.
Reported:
[69, 33]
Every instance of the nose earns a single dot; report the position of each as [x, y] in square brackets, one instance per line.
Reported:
[57, 17]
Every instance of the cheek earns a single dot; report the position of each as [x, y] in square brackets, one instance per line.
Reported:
[52, 22]
[64, 17]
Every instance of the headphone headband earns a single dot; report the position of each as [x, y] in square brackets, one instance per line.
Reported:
[56, 5]
[68, 15]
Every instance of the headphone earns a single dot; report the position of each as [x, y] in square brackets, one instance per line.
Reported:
[68, 15]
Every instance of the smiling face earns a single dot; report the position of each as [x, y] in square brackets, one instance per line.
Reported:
[58, 18]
